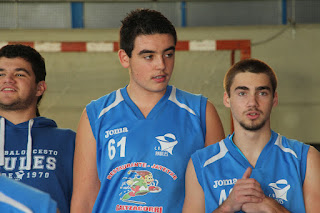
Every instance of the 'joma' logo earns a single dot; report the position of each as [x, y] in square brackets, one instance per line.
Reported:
[226, 182]
[115, 131]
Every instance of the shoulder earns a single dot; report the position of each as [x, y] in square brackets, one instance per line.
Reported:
[106, 98]
[48, 126]
[66, 132]
[210, 154]
[184, 95]
[195, 104]
[292, 146]
[98, 107]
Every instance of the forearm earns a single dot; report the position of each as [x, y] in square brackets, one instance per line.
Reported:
[81, 205]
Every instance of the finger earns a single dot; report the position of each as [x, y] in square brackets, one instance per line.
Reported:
[247, 173]
[251, 192]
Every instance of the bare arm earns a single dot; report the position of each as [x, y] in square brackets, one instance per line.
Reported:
[194, 200]
[86, 183]
[311, 185]
[215, 132]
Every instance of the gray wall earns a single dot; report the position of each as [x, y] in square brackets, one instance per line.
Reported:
[74, 79]
[98, 14]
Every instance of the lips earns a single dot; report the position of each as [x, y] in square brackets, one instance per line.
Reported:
[253, 114]
[159, 78]
[8, 89]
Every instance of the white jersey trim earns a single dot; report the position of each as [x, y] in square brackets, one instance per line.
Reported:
[221, 154]
[173, 98]
[14, 203]
[118, 99]
[279, 143]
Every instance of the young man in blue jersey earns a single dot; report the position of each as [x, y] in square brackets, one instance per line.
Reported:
[133, 145]
[254, 169]
[32, 149]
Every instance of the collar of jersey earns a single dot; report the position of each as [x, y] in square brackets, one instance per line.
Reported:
[155, 109]
[234, 150]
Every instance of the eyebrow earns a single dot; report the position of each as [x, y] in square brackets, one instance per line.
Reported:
[264, 88]
[258, 88]
[241, 88]
[151, 51]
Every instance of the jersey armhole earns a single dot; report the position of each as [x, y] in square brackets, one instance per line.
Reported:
[304, 157]
[203, 108]
[197, 168]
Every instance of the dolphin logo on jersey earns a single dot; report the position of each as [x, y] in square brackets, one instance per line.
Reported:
[141, 184]
[167, 142]
[280, 192]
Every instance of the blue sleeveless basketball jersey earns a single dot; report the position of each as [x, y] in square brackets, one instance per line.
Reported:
[142, 161]
[280, 170]
[19, 197]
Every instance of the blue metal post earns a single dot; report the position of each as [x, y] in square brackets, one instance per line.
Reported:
[183, 14]
[77, 14]
[284, 12]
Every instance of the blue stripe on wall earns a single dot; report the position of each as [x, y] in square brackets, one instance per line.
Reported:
[77, 14]
[183, 14]
[284, 12]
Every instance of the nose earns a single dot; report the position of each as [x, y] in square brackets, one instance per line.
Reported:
[252, 100]
[160, 63]
[8, 78]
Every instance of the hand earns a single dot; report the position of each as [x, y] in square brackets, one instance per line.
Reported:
[268, 205]
[246, 190]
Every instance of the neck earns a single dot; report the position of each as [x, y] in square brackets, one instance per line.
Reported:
[251, 143]
[145, 100]
[17, 117]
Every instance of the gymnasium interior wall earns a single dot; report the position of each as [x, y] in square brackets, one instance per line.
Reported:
[76, 78]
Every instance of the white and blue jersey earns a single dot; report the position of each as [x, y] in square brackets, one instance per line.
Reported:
[280, 170]
[18, 197]
[141, 161]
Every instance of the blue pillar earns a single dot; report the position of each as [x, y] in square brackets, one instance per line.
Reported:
[77, 14]
[284, 12]
[183, 14]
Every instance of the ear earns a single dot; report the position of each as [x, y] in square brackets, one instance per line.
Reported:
[226, 99]
[124, 58]
[275, 99]
[41, 88]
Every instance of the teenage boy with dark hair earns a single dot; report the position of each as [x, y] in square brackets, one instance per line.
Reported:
[133, 145]
[33, 149]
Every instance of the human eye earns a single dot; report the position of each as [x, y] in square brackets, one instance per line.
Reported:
[242, 93]
[169, 55]
[148, 57]
[263, 93]
[20, 75]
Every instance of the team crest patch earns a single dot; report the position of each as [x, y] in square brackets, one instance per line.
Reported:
[280, 189]
[167, 144]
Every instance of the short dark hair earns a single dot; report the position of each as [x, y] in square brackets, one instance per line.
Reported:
[253, 66]
[143, 22]
[30, 55]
